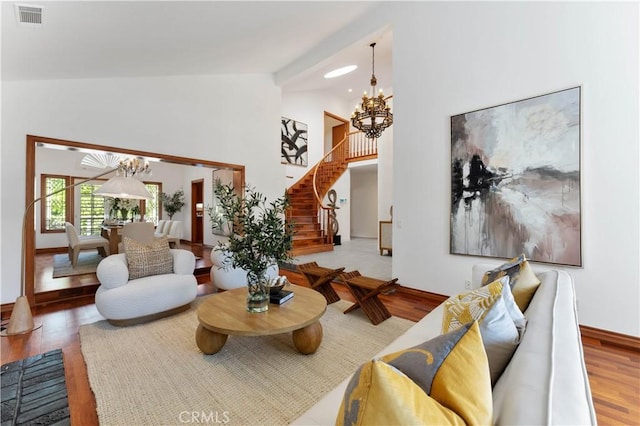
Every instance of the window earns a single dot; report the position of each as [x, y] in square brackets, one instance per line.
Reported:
[89, 209]
[151, 208]
[56, 209]
[91, 212]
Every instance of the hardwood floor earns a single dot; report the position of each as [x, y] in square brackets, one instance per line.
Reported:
[614, 373]
[44, 281]
[615, 384]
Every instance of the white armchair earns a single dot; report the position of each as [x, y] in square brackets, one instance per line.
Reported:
[124, 302]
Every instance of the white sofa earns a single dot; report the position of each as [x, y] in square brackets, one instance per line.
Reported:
[546, 380]
[125, 302]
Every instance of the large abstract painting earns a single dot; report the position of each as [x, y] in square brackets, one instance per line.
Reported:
[293, 143]
[515, 180]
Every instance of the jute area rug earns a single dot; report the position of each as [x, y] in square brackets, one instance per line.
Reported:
[87, 264]
[154, 374]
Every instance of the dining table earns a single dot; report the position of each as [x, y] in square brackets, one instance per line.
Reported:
[113, 233]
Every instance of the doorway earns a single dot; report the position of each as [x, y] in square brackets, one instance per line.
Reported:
[80, 285]
[338, 133]
[335, 130]
[197, 211]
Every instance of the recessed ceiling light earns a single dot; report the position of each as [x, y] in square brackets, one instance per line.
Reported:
[340, 71]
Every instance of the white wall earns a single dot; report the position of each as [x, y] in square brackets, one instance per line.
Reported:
[448, 58]
[384, 180]
[385, 171]
[309, 108]
[230, 118]
[451, 58]
[364, 203]
[63, 162]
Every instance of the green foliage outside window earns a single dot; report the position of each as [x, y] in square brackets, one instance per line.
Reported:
[151, 212]
[91, 210]
[55, 205]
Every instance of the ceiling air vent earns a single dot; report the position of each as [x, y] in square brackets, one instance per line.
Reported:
[31, 15]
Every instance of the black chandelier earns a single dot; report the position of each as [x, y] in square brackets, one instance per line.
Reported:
[373, 115]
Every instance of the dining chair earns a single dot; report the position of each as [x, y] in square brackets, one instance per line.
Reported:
[77, 243]
[142, 232]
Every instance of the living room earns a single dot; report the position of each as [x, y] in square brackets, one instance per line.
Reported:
[448, 58]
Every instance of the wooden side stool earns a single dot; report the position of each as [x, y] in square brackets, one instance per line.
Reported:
[365, 290]
[319, 279]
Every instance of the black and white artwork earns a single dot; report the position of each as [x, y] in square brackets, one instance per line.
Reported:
[293, 142]
[515, 180]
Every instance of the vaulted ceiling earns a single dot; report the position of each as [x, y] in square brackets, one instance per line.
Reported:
[108, 39]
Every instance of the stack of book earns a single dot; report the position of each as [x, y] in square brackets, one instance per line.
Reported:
[280, 297]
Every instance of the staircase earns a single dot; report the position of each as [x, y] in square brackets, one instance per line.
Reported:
[309, 237]
[310, 217]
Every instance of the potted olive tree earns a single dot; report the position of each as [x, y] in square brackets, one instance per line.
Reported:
[172, 204]
[258, 237]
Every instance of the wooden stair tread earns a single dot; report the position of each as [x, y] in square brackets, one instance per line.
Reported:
[309, 236]
[312, 237]
[299, 251]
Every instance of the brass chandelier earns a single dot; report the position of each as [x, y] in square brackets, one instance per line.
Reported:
[373, 115]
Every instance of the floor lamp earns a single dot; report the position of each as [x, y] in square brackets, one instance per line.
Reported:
[125, 186]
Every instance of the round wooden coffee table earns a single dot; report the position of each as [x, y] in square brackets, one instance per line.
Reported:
[225, 314]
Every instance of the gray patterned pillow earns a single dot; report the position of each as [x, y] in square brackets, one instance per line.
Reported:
[144, 260]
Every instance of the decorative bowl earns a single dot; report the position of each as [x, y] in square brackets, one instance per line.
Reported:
[277, 284]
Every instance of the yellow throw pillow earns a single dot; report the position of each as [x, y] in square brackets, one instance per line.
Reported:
[144, 260]
[468, 307]
[442, 381]
[499, 325]
[522, 280]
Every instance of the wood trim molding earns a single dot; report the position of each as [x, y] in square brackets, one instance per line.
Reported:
[68, 202]
[50, 297]
[610, 338]
[338, 118]
[434, 298]
[32, 142]
[362, 158]
[28, 235]
[52, 250]
[6, 308]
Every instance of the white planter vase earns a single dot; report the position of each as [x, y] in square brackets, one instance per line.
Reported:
[233, 277]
